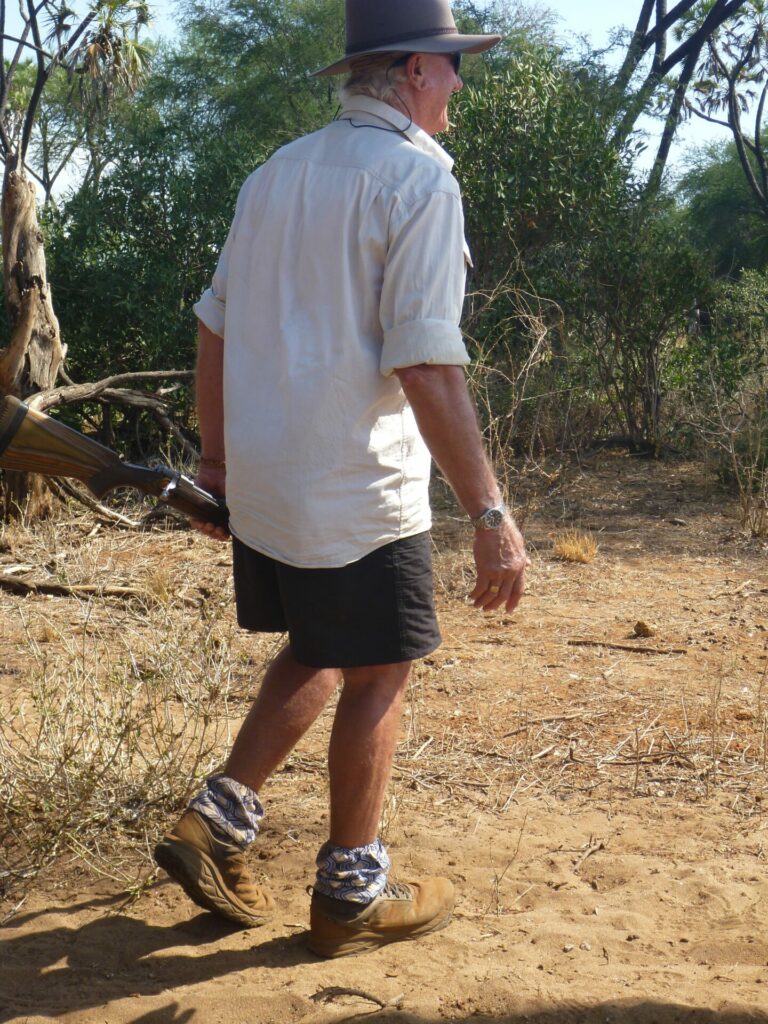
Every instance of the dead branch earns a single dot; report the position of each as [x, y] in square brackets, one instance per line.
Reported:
[73, 393]
[554, 718]
[61, 487]
[592, 848]
[627, 647]
[327, 995]
[17, 586]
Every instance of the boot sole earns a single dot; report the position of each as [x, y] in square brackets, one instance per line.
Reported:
[201, 881]
[367, 943]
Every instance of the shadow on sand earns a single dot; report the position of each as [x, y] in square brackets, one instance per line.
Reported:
[63, 970]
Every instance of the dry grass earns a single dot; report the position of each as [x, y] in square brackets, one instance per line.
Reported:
[124, 704]
[111, 711]
[574, 546]
[107, 739]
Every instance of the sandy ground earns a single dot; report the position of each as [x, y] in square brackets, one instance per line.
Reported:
[597, 798]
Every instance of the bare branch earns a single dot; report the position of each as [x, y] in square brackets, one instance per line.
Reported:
[65, 51]
[40, 80]
[672, 121]
[10, 73]
[758, 147]
[67, 157]
[721, 11]
[707, 117]
[661, 41]
[2, 52]
[636, 48]
[664, 24]
[29, 46]
[62, 487]
[72, 393]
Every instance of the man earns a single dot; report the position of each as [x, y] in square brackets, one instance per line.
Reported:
[338, 296]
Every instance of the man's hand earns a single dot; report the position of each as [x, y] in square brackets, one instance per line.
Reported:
[215, 482]
[501, 563]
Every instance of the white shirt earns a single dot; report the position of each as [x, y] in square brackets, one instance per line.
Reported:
[344, 262]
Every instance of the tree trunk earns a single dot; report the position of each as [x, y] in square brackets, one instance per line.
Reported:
[31, 359]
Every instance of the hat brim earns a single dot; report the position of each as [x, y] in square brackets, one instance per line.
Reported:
[449, 43]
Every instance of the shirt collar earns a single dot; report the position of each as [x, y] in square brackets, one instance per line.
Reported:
[367, 110]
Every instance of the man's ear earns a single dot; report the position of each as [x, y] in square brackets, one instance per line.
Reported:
[415, 71]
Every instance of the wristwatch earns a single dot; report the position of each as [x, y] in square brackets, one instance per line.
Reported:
[491, 519]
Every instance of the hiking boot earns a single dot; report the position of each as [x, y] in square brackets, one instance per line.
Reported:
[339, 928]
[213, 872]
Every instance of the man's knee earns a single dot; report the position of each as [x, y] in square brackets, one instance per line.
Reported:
[385, 677]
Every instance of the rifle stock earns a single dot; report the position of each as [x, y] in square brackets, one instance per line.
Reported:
[32, 442]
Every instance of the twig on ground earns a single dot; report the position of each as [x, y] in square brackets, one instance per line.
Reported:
[74, 590]
[13, 911]
[554, 718]
[60, 486]
[627, 647]
[592, 848]
[331, 992]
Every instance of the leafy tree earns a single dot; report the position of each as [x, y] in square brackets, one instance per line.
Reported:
[244, 65]
[640, 282]
[721, 213]
[134, 248]
[554, 214]
[533, 160]
[732, 337]
[722, 374]
[732, 82]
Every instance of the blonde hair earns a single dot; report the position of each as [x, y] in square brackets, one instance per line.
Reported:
[375, 76]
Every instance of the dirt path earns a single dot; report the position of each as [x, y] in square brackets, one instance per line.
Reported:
[597, 797]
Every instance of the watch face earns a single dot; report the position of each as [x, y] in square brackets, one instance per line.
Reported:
[493, 518]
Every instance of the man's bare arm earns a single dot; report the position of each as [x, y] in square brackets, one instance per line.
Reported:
[209, 392]
[447, 420]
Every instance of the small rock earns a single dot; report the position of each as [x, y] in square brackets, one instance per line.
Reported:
[585, 946]
[643, 629]
[568, 948]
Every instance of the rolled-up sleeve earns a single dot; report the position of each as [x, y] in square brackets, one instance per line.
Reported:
[423, 288]
[211, 307]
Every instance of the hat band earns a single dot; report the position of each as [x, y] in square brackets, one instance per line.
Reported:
[374, 44]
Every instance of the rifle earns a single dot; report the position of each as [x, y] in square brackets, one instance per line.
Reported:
[32, 442]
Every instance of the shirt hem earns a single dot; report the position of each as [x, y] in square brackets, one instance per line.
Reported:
[332, 562]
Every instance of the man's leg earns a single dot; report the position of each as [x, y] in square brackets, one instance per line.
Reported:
[354, 909]
[204, 851]
[289, 701]
[362, 746]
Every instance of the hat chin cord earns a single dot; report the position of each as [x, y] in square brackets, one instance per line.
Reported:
[405, 107]
[381, 128]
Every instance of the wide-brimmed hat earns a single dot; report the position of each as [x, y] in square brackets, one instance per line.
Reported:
[403, 26]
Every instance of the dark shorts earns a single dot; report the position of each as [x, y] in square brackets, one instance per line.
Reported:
[377, 611]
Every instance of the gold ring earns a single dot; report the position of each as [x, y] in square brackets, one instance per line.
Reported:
[494, 590]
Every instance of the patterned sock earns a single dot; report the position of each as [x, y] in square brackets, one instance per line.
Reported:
[357, 874]
[230, 808]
